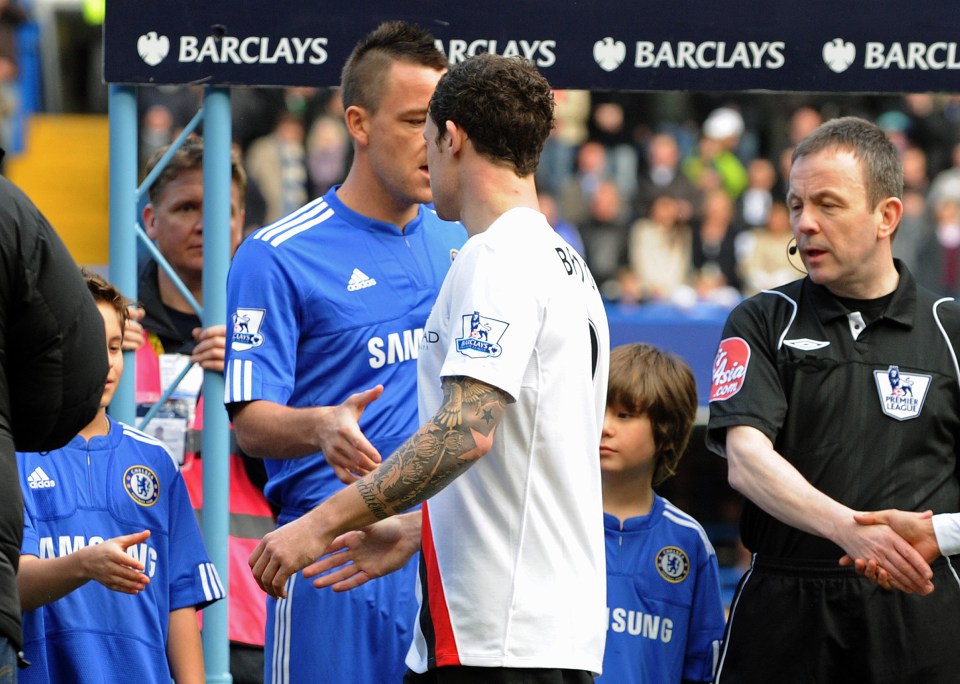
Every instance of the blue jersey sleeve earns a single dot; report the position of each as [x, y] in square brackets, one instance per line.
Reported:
[194, 580]
[707, 621]
[30, 546]
[264, 303]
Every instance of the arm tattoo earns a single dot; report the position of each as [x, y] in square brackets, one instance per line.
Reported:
[443, 448]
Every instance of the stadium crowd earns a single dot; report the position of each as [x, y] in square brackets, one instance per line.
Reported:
[675, 197]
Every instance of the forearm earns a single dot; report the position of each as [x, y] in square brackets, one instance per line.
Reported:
[268, 430]
[184, 647]
[43, 581]
[458, 435]
[758, 472]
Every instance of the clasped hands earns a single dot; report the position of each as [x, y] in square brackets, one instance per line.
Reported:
[913, 574]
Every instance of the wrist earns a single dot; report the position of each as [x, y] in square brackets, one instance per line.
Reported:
[946, 532]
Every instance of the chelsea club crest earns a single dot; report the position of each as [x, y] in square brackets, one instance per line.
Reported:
[673, 564]
[142, 485]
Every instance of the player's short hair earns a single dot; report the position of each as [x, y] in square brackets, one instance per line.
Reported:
[879, 159]
[106, 292]
[645, 379]
[189, 157]
[504, 105]
[366, 69]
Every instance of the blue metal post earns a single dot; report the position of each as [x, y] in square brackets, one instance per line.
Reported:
[123, 214]
[216, 444]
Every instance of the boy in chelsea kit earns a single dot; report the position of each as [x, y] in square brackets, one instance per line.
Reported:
[112, 507]
[666, 614]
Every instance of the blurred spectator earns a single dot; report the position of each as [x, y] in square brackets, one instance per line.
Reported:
[11, 16]
[156, 130]
[947, 182]
[255, 112]
[895, 124]
[762, 253]
[605, 237]
[327, 146]
[566, 230]
[938, 252]
[662, 175]
[802, 122]
[930, 130]
[660, 253]
[784, 162]
[714, 164]
[610, 127]
[569, 132]
[180, 102]
[753, 206]
[716, 274]
[277, 164]
[578, 191]
[916, 221]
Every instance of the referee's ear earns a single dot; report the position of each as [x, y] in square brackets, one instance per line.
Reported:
[889, 211]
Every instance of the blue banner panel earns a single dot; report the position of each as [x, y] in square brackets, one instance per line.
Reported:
[778, 45]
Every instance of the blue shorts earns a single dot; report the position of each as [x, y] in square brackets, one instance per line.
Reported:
[360, 636]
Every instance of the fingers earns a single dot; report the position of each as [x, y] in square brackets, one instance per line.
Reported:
[344, 475]
[342, 580]
[129, 540]
[267, 572]
[133, 337]
[258, 564]
[369, 458]
[361, 400]
[338, 555]
[870, 518]
[909, 570]
[210, 351]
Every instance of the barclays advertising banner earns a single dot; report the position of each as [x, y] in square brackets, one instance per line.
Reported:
[778, 45]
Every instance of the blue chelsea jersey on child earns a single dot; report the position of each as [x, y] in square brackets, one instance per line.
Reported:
[665, 611]
[84, 494]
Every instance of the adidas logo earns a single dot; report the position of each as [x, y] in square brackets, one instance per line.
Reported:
[360, 280]
[39, 480]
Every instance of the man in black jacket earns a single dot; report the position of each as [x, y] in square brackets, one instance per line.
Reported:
[52, 372]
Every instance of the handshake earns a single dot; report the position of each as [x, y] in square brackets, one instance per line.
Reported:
[907, 565]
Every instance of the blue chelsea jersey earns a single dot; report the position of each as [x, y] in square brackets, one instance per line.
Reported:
[665, 611]
[325, 303]
[84, 494]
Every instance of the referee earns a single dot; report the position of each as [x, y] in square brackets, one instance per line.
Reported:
[835, 394]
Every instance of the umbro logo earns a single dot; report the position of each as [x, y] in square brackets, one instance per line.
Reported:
[806, 344]
[360, 280]
[39, 480]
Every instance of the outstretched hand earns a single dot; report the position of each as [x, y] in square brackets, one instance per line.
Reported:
[109, 564]
[344, 446]
[363, 555]
[284, 552]
[914, 528]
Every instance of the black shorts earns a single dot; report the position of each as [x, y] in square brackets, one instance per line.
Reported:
[806, 622]
[459, 674]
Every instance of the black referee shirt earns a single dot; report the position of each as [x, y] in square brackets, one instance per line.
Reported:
[871, 421]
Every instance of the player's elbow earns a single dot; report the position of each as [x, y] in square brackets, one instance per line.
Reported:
[245, 427]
